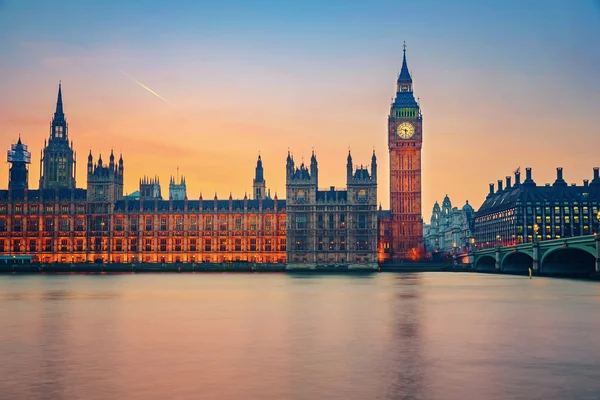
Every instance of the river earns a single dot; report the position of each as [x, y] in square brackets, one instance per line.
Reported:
[285, 336]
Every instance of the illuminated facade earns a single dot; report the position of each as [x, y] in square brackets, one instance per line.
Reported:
[61, 223]
[405, 138]
[525, 212]
[331, 227]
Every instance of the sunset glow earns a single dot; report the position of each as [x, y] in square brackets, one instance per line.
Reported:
[274, 76]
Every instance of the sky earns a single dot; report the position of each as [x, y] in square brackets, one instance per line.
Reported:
[502, 84]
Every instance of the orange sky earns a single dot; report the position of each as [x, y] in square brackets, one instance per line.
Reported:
[486, 111]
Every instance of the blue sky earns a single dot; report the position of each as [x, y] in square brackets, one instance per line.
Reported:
[517, 77]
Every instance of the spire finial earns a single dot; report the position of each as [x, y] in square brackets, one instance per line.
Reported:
[404, 47]
[59, 104]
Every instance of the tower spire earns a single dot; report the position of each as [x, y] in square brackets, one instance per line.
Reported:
[404, 73]
[59, 104]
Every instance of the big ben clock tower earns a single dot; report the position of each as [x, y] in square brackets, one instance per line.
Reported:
[405, 137]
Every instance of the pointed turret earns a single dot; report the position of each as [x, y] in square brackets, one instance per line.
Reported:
[349, 165]
[58, 160]
[374, 166]
[259, 184]
[289, 165]
[90, 164]
[59, 113]
[121, 167]
[404, 77]
[405, 105]
[259, 176]
[314, 168]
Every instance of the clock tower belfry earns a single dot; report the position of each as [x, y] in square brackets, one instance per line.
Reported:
[405, 138]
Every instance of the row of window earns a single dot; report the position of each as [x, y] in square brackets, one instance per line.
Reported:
[101, 224]
[331, 243]
[133, 245]
[19, 209]
[328, 221]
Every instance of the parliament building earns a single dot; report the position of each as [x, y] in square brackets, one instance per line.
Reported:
[59, 222]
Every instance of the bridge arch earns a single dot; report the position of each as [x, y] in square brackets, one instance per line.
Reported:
[517, 262]
[568, 260]
[485, 263]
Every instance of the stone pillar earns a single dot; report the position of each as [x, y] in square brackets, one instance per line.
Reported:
[597, 240]
[497, 259]
[536, 257]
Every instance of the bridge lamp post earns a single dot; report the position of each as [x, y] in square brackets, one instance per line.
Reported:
[598, 226]
[535, 229]
[499, 240]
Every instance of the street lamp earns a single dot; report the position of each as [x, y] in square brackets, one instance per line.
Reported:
[535, 229]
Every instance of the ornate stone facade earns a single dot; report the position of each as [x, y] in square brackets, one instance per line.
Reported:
[405, 138]
[331, 227]
[451, 229]
[177, 191]
[59, 223]
[58, 160]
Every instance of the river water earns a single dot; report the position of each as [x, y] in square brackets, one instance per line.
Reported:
[283, 336]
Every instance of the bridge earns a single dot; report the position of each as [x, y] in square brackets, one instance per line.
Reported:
[569, 256]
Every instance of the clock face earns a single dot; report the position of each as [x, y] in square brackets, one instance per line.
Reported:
[405, 130]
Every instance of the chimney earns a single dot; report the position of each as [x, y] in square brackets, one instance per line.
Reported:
[586, 183]
[596, 173]
[559, 175]
[517, 178]
[499, 185]
[491, 188]
[508, 182]
[527, 173]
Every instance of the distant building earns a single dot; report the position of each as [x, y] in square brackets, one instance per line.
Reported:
[150, 188]
[521, 212]
[331, 227]
[450, 229]
[177, 191]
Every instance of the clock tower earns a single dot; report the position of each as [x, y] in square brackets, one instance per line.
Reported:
[405, 138]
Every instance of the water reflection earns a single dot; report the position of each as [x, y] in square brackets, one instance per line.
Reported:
[278, 336]
[407, 382]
